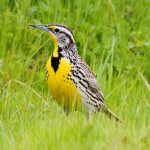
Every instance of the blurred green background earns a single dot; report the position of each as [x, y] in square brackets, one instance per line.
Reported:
[112, 36]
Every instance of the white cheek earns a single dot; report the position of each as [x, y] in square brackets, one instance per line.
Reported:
[60, 44]
[64, 41]
[67, 41]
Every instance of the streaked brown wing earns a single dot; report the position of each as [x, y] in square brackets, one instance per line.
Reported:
[91, 80]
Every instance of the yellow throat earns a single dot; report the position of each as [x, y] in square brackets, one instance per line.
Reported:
[61, 87]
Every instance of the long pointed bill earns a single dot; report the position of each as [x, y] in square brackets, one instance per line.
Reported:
[43, 27]
[49, 29]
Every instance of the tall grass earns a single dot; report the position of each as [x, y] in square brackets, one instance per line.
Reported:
[112, 37]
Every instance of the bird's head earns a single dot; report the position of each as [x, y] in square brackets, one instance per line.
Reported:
[61, 35]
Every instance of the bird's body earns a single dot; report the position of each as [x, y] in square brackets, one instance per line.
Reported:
[61, 85]
[70, 80]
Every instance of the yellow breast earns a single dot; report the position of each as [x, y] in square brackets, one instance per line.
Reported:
[61, 87]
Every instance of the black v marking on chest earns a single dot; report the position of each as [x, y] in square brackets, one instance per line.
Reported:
[55, 61]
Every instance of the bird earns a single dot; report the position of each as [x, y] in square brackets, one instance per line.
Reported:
[70, 80]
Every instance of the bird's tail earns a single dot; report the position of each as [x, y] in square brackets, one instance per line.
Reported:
[110, 114]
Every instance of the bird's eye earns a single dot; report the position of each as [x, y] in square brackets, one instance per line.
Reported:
[56, 30]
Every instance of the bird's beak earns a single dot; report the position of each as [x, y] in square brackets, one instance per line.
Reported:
[43, 27]
[49, 29]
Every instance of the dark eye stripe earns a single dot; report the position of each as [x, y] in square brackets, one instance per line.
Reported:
[70, 39]
[64, 27]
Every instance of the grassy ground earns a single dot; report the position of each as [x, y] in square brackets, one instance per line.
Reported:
[114, 39]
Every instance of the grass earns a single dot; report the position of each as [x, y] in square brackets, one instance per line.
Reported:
[112, 37]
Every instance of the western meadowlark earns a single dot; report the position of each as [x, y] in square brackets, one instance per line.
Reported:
[70, 80]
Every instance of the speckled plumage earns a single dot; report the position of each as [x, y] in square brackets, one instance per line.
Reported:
[70, 79]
